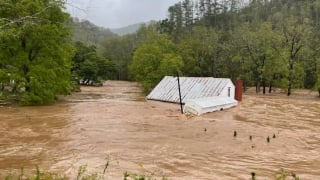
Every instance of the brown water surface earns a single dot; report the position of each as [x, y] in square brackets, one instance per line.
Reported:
[151, 137]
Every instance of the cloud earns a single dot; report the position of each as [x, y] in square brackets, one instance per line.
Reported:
[119, 13]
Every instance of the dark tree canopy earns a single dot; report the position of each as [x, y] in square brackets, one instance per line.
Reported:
[89, 68]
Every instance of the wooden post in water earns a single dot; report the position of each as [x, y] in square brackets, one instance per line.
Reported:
[179, 93]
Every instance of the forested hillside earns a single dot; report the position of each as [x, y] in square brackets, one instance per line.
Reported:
[266, 43]
[127, 30]
[86, 32]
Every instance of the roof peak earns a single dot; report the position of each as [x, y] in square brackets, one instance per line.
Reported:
[197, 77]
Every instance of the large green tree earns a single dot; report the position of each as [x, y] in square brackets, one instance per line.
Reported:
[154, 59]
[35, 53]
[261, 52]
[296, 36]
[198, 49]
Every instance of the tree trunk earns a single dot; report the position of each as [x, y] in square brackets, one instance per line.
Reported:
[26, 70]
[270, 87]
[289, 88]
[244, 86]
[264, 86]
[290, 77]
[212, 69]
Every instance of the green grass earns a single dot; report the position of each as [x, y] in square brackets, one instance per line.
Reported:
[83, 174]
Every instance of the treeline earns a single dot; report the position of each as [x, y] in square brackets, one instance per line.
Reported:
[266, 43]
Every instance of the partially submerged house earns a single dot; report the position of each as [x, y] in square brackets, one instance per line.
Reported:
[198, 94]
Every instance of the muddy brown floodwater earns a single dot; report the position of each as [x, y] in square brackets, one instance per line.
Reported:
[151, 137]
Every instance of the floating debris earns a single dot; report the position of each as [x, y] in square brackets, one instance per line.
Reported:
[253, 175]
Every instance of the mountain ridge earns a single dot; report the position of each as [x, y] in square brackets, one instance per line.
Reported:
[130, 29]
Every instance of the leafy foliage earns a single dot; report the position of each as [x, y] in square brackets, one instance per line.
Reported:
[265, 43]
[89, 68]
[35, 56]
[154, 59]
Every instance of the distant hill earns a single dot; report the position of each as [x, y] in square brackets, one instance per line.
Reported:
[129, 29]
[89, 33]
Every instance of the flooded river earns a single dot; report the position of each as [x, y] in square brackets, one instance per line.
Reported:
[151, 137]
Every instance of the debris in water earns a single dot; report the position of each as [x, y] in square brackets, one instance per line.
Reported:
[268, 139]
[253, 175]
[235, 134]
[274, 136]
[250, 138]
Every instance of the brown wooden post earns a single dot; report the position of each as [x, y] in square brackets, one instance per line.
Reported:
[238, 93]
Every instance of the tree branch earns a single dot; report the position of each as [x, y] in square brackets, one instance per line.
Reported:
[22, 19]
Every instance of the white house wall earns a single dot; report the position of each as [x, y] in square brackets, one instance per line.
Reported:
[224, 92]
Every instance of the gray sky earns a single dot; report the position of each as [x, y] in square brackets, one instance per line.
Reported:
[119, 13]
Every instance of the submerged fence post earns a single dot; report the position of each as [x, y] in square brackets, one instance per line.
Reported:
[179, 93]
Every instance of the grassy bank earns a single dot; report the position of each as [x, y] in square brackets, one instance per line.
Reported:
[83, 174]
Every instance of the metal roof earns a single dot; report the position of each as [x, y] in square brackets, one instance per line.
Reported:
[208, 104]
[191, 88]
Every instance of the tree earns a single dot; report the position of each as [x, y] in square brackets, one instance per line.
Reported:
[197, 50]
[176, 20]
[262, 46]
[188, 12]
[35, 49]
[154, 59]
[89, 68]
[296, 34]
[121, 49]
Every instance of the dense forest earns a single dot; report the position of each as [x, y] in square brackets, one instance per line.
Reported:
[266, 43]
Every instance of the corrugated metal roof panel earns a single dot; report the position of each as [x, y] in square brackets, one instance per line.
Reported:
[191, 88]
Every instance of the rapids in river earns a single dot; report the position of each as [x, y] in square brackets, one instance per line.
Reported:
[115, 122]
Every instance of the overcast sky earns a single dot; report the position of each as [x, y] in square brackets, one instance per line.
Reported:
[119, 13]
